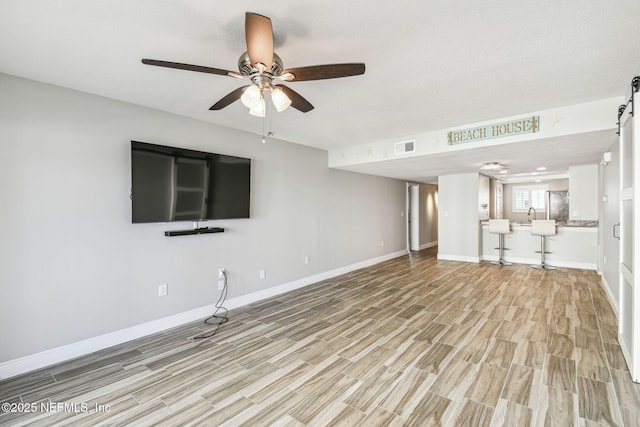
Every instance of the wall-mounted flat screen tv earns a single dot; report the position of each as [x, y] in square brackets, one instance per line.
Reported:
[175, 184]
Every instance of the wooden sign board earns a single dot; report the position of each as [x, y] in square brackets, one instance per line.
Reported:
[495, 130]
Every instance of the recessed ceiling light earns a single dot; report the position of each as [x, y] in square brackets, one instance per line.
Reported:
[541, 168]
[492, 166]
[504, 171]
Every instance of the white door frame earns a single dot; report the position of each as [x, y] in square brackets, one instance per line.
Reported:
[413, 217]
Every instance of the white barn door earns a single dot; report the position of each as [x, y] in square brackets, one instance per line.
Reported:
[629, 322]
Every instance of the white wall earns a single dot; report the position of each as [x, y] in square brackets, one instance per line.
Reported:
[583, 192]
[458, 225]
[72, 266]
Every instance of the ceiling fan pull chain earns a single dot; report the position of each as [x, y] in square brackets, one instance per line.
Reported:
[270, 133]
[263, 119]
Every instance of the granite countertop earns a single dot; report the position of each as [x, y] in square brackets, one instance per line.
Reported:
[587, 224]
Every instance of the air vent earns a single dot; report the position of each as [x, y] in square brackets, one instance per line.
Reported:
[404, 147]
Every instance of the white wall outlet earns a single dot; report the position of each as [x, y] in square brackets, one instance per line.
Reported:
[576, 213]
[306, 260]
[163, 290]
[221, 278]
[263, 274]
[381, 242]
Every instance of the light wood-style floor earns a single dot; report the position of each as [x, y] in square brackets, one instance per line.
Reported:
[412, 341]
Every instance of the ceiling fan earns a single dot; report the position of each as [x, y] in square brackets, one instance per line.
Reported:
[264, 69]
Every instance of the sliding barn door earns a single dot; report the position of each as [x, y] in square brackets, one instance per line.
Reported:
[629, 322]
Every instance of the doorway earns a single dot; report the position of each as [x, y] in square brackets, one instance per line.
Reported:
[413, 217]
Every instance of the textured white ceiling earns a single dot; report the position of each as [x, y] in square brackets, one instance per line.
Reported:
[430, 64]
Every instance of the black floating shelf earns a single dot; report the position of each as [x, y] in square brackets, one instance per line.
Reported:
[206, 230]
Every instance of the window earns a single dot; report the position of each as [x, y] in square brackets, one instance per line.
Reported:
[525, 197]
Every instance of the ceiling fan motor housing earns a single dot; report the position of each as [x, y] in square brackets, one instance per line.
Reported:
[261, 78]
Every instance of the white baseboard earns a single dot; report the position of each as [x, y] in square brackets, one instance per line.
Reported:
[46, 358]
[446, 257]
[428, 245]
[71, 351]
[306, 281]
[607, 290]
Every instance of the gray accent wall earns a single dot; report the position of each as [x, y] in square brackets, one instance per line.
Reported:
[73, 266]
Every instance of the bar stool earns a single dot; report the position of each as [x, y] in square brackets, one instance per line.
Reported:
[500, 227]
[543, 228]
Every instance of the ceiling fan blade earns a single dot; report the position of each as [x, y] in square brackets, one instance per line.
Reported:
[297, 101]
[229, 98]
[188, 67]
[259, 37]
[328, 71]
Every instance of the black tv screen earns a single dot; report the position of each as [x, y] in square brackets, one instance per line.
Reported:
[175, 184]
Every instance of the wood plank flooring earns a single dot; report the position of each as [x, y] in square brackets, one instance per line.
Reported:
[411, 341]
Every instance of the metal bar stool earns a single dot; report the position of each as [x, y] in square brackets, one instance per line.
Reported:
[500, 227]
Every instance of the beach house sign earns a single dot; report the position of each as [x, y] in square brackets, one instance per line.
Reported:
[495, 130]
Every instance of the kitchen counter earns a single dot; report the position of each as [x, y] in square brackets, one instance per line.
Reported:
[586, 224]
[574, 246]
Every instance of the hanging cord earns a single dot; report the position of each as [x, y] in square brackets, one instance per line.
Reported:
[268, 112]
[217, 319]
[270, 133]
[263, 138]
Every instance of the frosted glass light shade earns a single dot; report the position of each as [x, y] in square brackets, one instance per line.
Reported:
[280, 100]
[251, 97]
[259, 109]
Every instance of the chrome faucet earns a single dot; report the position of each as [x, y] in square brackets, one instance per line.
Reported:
[529, 214]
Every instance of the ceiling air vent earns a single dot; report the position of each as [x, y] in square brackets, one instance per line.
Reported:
[404, 147]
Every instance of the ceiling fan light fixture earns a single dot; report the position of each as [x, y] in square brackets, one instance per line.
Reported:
[262, 66]
[258, 110]
[251, 97]
[280, 100]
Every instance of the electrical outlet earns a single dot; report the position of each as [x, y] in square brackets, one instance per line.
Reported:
[382, 243]
[221, 278]
[306, 260]
[163, 290]
[263, 274]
